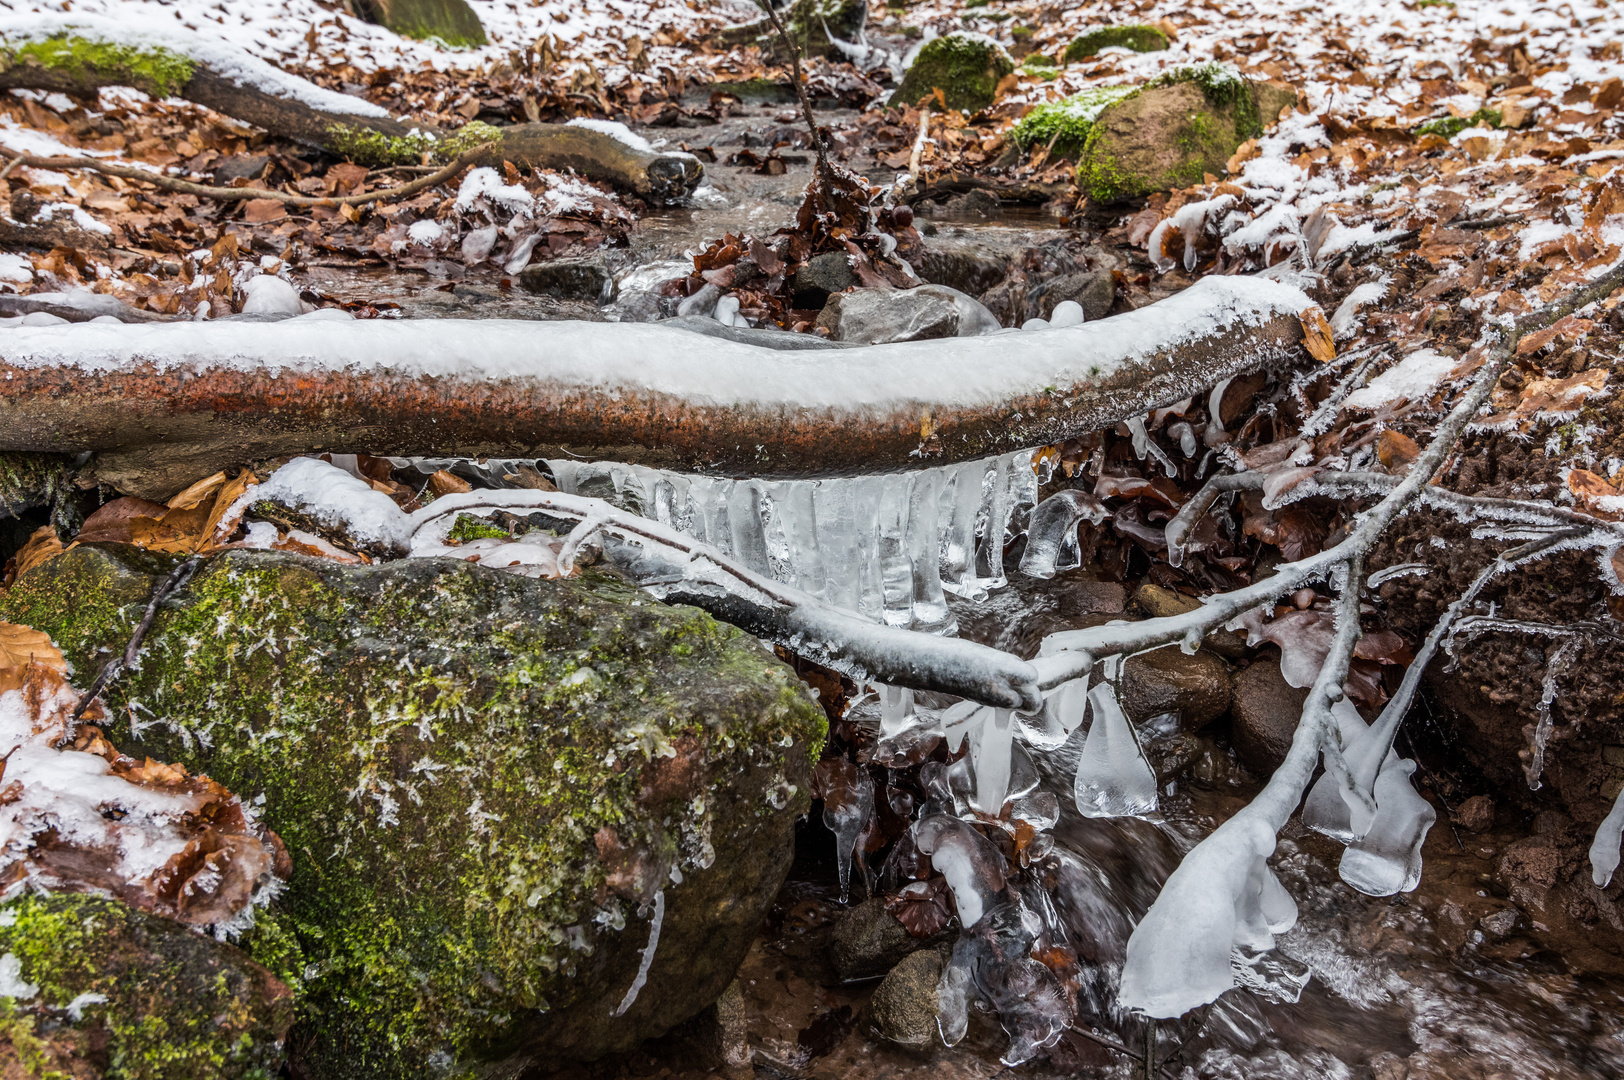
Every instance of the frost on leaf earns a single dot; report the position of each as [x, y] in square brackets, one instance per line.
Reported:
[78, 816]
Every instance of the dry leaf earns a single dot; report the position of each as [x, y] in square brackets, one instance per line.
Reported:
[42, 547]
[1317, 335]
[197, 492]
[22, 648]
[1396, 450]
[444, 483]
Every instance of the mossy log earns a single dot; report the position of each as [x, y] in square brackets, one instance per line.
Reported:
[164, 404]
[81, 66]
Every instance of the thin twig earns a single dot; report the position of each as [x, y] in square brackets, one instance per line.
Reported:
[826, 172]
[12, 164]
[115, 666]
[205, 191]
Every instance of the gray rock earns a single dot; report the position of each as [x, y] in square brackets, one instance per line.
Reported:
[1265, 712]
[474, 761]
[241, 167]
[867, 942]
[822, 275]
[1165, 680]
[962, 267]
[904, 1006]
[875, 316]
[1501, 924]
[585, 278]
[1093, 289]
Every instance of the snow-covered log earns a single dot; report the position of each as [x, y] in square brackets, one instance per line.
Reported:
[79, 55]
[204, 395]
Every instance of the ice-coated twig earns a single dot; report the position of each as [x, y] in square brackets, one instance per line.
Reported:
[1535, 765]
[677, 567]
[1178, 957]
[648, 956]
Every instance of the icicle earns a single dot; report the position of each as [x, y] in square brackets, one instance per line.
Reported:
[953, 997]
[992, 763]
[833, 505]
[847, 818]
[959, 506]
[1542, 727]
[749, 535]
[1604, 849]
[648, 955]
[896, 709]
[1388, 859]
[1051, 538]
[1331, 808]
[1185, 434]
[924, 544]
[1113, 778]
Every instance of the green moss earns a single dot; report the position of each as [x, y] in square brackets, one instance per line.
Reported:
[1141, 39]
[966, 69]
[1447, 127]
[437, 746]
[175, 1004]
[1435, 3]
[471, 527]
[1021, 33]
[1066, 124]
[1224, 88]
[153, 69]
[365, 146]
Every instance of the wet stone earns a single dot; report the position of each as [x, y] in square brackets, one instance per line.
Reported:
[822, 275]
[1094, 290]
[568, 279]
[877, 316]
[868, 941]
[1475, 814]
[1265, 710]
[1165, 680]
[903, 1008]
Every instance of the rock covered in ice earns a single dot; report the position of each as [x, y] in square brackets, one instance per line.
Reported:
[333, 500]
[268, 294]
[880, 316]
[972, 866]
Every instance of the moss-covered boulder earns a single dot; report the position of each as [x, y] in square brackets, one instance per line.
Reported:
[1169, 133]
[808, 22]
[94, 988]
[966, 68]
[1141, 39]
[450, 21]
[492, 787]
[1063, 126]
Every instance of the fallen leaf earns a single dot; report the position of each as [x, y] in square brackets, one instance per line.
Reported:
[42, 547]
[23, 647]
[1317, 337]
[197, 492]
[1396, 450]
[444, 483]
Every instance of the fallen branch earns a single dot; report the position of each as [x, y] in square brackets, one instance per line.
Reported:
[223, 194]
[71, 55]
[186, 399]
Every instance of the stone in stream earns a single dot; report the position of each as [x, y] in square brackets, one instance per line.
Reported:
[876, 316]
[904, 1006]
[960, 266]
[822, 275]
[1095, 290]
[491, 787]
[453, 22]
[585, 278]
[966, 68]
[94, 987]
[867, 941]
[1165, 680]
[1173, 131]
[1265, 714]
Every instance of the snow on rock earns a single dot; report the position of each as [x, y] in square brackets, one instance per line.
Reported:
[270, 295]
[1413, 377]
[16, 269]
[615, 130]
[333, 499]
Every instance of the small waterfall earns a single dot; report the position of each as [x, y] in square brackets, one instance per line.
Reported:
[889, 547]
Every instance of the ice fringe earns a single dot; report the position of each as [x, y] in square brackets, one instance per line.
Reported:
[648, 956]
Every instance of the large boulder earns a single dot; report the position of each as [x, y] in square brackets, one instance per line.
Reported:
[95, 988]
[450, 21]
[966, 68]
[1265, 711]
[495, 790]
[1170, 134]
[877, 316]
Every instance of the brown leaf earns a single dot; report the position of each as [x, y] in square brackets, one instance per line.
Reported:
[197, 492]
[42, 547]
[922, 907]
[111, 523]
[263, 211]
[23, 647]
[1396, 450]
[444, 483]
[1317, 337]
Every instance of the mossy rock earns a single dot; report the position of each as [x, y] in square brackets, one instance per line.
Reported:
[808, 22]
[483, 780]
[1063, 126]
[450, 21]
[1447, 127]
[965, 67]
[1140, 39]
[124, 995]
[1169, 134]
[31, 480]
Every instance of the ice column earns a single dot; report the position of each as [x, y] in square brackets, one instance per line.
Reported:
[890, 547]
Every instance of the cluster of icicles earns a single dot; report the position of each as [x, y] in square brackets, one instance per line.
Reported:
[889, 547]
